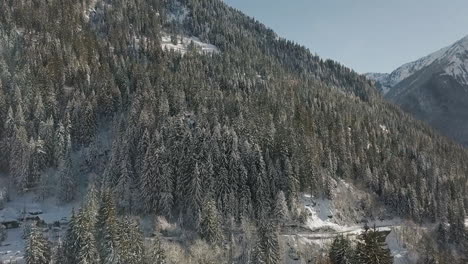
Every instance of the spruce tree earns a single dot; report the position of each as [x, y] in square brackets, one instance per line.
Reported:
[66, 180]
[280, 209]
[155, 251]
[341, 251]
[85, 242]
[131, 242]
[3, 233]
[371, 248]
[266, 249]
[70, 247]
[108, 231]
[37, 249]
[210, 226]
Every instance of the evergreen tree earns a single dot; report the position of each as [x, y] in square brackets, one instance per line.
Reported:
[210, 226]
[371, 248]
[66, 180]
[341, 251]
[3, 233]
[59, 254]
[59, 145]
[37, 249]
[280, 210]
[131, 242]
[108, 231]
[155, 251]
[267, 248]
[70, 247]
[85, 242]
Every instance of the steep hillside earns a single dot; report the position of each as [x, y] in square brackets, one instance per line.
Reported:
[193, 112]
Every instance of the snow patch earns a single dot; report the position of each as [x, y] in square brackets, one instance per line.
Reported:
[21, 207]
[384, 129]
[183, 44]
[319, 213]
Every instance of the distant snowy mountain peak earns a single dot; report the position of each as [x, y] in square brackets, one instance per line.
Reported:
[434, 89]
[453, 60]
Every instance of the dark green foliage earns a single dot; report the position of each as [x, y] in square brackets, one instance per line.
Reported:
[341, 251]
[108, 231]
[267, 248]
[372, 249]
[3, 233]
[210, 225]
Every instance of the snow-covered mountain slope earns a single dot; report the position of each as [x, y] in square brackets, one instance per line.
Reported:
[434, 89]
[454, 58]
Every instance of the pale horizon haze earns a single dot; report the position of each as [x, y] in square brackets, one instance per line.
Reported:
[366, 35]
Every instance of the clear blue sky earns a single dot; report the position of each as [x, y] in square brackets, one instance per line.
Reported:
[366, 35]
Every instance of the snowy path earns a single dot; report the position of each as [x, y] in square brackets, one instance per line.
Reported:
[351, 231]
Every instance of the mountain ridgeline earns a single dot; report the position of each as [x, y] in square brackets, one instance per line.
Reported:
[434, 89]
[87, 91]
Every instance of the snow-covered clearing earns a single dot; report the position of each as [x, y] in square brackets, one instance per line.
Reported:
[384, 129]
[28, 206]
[322, 225]
[183, 44]
[325, 220]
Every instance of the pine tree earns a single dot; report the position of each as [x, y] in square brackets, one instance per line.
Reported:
[59, 256]
[125, 185]
[20, 152]
[108, 231]
[39, 112]
[371, 248]
[267, 248]
[210, 226]
[46, 133]
[67, 182]
[70, 247]
[193, 194]
[85, 240]
[37, 161]
[3, 233]
[131, 242]
[59, 143]
[155, 251]
[143, 145]
[341, 251]
[280, 210]
[149, 177]
[270, 241]
[37, 249]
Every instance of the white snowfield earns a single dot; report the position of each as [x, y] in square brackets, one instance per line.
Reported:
[183, 44]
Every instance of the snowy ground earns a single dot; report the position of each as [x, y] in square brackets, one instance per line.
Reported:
[184, 42]
[12, 250]
[320, 228]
